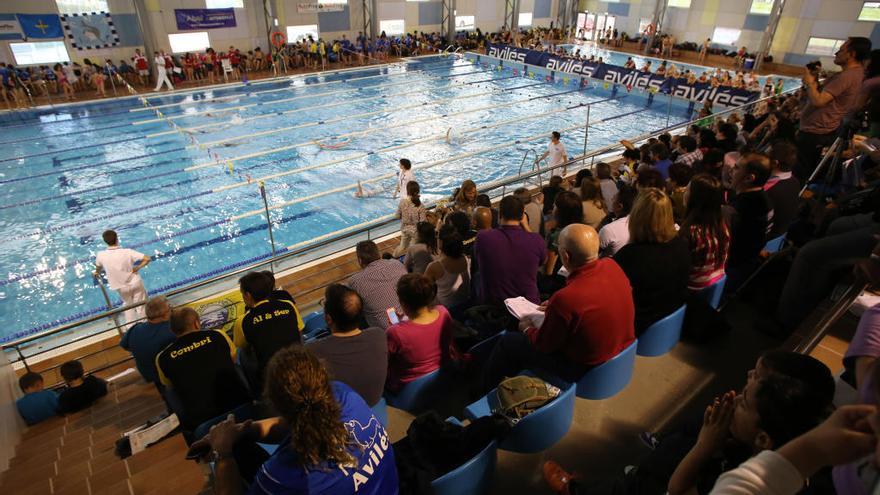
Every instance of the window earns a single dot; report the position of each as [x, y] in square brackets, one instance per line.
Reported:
[224, 4]
[189, 42]
[824, 47]
[643, 24]
[80, 6]
[761, 7]
[525, 19]
[870, 12]
[45, 52]
[464, 23]
[726, 36]
[392, 27]
[299, 33]
[682, 4]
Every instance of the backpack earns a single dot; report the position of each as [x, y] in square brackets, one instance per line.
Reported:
[520, 396]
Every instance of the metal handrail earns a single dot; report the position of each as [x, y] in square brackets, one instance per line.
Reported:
[366, 229]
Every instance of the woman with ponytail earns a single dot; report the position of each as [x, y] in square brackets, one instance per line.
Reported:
[330, 441]
[410, 211]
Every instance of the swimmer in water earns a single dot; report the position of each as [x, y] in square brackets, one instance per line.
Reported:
[362, 193]
[335, 146]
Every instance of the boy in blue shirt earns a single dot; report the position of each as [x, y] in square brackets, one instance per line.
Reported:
[37, 404]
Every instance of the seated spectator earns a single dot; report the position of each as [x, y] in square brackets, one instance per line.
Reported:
[649, 178]
[568, 210]
[81, 392]
[679, 178]
[451, 272]
[615, 234]
[656, 260]
[533, 209]
[689, 154]
[593, 202]
[355, 357]
[748, 226]
[330, 441]
[421, 253]
[269, 324]
[553, 187]
[199, 368]
[509, 257]
[660, 159]
[609, 187]
[864, 348]
[376, 283]
[586, 323]
[423, 342]
[782, 188]
[277, 293]
[37, 404]
[482, 218]
[706, 231]
[146, 339]
[726, 137]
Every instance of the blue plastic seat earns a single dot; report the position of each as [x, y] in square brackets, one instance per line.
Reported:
[314, 323]
[539, 430]
[712, 293]
[662, 336]
[474, 477]
[610, 377]
[416, 395]
[775, 244]
[380, 409]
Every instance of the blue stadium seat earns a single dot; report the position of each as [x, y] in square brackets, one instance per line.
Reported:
[474, 477]
[416, 395]
[539, 430]
[610, 377]
[774, 245]
[314, 323]
[483, 349]
[712, 293]
[662, 336]
[380, 410]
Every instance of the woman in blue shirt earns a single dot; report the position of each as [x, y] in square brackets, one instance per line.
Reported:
[330, 441]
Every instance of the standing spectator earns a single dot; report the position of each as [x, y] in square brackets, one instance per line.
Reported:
[509, 257]
[656, 261]
[142, 67]
[615, 235]
[146, 339]
[410, 211]
[81, 392]
[452, 271]
[462, 223]
[269, 324]
[585, 324]
[199, 367]
[355, 357]
[37, 404]
[423, 343]
[826, 107]
[376, 283]
[420, 254]
[782, 188]
[706, 231]
[556, 152]
[465, 199]
[122, 266]
[749, 222]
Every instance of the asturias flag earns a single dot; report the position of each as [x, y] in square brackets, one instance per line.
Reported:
[40, 25]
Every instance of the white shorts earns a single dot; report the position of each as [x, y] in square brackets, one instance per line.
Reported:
[144, 72]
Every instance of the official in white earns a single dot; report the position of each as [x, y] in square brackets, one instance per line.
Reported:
[122, 266]
[161, 71]
[556, 152]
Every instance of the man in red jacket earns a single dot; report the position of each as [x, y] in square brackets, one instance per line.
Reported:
[586, 323]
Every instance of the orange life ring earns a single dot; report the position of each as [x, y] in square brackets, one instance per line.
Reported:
[278, 39]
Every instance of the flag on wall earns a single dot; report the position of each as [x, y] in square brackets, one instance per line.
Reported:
[40, 25]
[9, 28]
[90, 31]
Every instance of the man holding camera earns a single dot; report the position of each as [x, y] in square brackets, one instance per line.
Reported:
[827, 106]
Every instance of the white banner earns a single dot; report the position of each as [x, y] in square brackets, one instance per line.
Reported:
[10, 29]
[316, 8]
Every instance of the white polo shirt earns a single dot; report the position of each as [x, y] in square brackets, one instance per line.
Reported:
[118, 262]
[557, 153]
[404, 177]
[614, 236]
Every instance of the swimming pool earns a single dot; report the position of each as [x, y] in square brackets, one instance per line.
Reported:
[71, 172]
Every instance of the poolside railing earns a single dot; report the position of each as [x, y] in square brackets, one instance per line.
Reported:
[321, 247]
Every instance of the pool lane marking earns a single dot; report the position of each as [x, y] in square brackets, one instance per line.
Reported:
[428, 78]
[260, 211]
[286, 88]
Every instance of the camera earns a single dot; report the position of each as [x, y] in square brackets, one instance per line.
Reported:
[814, 66]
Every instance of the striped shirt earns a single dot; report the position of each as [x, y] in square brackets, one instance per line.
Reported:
[377, 286]
[708, 256]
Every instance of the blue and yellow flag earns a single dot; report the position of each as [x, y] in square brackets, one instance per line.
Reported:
[40, 25]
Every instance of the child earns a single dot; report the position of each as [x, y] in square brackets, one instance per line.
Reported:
[80, 392]
[410, 211]
[37, 404]
[404, 176]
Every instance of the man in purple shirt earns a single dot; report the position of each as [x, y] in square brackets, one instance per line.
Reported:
[509, 256]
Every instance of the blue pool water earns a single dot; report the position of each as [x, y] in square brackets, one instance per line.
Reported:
[69, 173]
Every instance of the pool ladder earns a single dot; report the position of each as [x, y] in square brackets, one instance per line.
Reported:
[534, 167]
